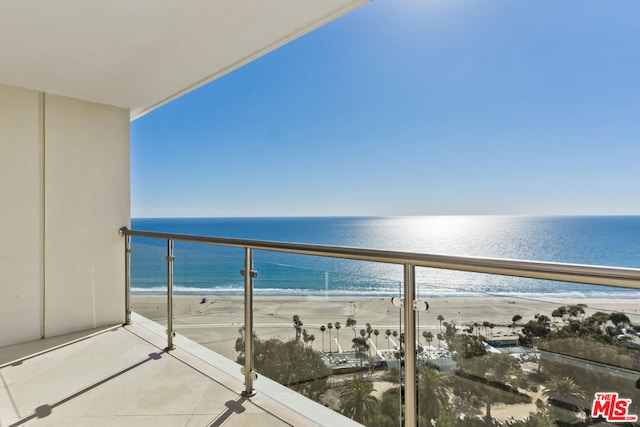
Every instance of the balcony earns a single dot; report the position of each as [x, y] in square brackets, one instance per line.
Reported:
[393, 357]
[123, 375]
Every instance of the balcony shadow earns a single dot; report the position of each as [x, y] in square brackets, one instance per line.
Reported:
[45, 410]
[233, 407]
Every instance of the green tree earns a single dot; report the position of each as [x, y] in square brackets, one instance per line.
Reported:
[361, 347]
[356, 401]
[492, 378]
[289, 363]
[390, 414]
[297, 324]
[619, 319]
[575, 311]
[432, 395]
[329, 326]
[337, 325]
[565, 398]
[450, 331]
[559, 312]
[351, 323]
[465, 347]
[538, 328]
[536, 419]
[440, 319]
[428, 337]
[376, 333]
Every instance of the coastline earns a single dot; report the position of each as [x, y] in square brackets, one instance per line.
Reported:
[214, 321]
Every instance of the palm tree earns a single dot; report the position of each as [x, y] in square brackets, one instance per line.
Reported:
[356, 401]
[329, 326]
[322, 329]
[351, 323]
[337, 325]
[440, 319]
[376, 333]
[360, 346]
[369, 330]
[428, 337]
[432, 395]
[388, 334]
[563, 390]
[297, 324]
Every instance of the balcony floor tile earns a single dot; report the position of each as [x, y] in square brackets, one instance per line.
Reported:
[118, 378]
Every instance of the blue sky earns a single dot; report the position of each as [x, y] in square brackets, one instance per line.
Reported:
[412, 107]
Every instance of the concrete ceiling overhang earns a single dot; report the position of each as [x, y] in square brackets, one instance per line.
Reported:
[141, 54]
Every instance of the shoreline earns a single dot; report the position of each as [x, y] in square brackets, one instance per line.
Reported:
[580, 298]
[214, 320]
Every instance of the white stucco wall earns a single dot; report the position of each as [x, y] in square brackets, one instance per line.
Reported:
[21, 204]
[86, 202]
[64, 193]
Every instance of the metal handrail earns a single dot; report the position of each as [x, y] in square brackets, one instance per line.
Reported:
[577, 273]
[596, 275]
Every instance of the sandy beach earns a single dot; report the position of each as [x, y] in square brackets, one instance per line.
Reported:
[214, 321]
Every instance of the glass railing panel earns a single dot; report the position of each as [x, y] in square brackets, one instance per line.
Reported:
[332, 336]
[149, 278]
[524, 351]
[491, 349]
[208, 302]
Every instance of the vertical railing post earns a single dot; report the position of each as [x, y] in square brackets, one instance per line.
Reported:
[249, 275]
[170, 259]
[127, 279]
[410, 372]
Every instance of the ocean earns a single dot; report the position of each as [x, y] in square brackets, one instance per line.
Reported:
[206, 269]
